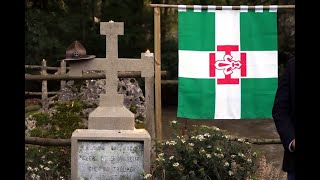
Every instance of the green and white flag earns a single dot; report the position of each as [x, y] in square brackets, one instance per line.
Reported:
[228, 63]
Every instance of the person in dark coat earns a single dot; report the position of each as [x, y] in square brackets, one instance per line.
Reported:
[283, 113]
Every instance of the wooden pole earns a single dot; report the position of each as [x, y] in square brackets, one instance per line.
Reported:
[63, 70]
[149, 101]
[157, 51]
[67, 142]
[47, 141]
[44, 88]
[40, 67]
[39, 93]
[121, 74]
[220, 7]
[149, 122]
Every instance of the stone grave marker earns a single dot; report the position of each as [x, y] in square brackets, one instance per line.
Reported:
[111, 148]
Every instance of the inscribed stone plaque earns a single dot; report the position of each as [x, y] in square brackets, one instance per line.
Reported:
[110, 160]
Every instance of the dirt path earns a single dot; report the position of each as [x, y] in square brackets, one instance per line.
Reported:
[263, 128]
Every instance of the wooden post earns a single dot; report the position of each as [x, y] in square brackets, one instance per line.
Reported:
[157, 51]
[63, 70]
[149, 104]
[149, 99]
[44, 89]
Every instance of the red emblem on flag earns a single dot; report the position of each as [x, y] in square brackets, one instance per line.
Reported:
[227, 64]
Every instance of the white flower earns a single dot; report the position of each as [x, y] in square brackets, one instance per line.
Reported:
[41, 166]
[33, 175]
[207, 135]
[173, 122]
[218, 155]
[247, 142]
[49, 162]
[42, 156]
[171, 157]
[200, 137]
[254, 154]
[61, 177]
[218, 149]
[46, 168]
[183, 141]
[191, 144]
[230, 173]
[209, 146]
[147, 176]
[226, 164]
[36, 169]
[241, 140]
[160, 157]
[175, 164]
[232, 156]
[249, 160]
[208, 156]
[29, 168]
[240, 154]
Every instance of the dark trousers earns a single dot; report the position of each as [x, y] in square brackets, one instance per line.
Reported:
[291, 176]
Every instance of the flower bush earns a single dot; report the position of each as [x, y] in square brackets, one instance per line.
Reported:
[45, 162]
[205, 153]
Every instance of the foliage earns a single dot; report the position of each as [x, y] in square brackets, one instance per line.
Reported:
[47, 162]
[53, 162]
[61, 124]
[204, 153]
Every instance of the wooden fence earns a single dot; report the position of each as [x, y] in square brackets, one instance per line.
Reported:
[62, 76]
[62, 70]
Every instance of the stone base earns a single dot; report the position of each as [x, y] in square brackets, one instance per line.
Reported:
[111, 118]
[111, 154]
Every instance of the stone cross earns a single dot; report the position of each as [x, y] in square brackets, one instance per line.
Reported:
[111, 64]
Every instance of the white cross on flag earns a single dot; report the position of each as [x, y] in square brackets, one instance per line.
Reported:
[228, 63]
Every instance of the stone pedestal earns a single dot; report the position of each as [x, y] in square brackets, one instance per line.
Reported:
[110, 154]
[117, 117]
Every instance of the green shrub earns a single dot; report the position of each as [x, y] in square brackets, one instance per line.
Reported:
[61, 124]
[42, 162]
[205, 153]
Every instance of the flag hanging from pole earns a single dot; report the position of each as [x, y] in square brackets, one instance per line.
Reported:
[228, 63]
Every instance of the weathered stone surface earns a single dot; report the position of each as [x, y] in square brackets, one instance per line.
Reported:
[90, 91]
[110, 160]
[110, 154]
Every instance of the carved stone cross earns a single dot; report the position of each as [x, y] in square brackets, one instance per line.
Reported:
[111, 104]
